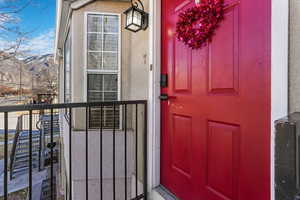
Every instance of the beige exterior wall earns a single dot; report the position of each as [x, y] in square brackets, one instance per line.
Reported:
[134, 58]
[79, 164]
[79, 57]
[139, 73]
[294, 60]
[139, 78]
[134, 86]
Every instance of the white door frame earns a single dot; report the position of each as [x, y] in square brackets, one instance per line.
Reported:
[279, 72]
[154, 92]
[279, 82]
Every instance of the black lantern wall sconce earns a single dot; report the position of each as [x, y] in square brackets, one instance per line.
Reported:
[136, 17]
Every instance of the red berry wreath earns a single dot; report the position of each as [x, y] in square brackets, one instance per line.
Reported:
[196, 26]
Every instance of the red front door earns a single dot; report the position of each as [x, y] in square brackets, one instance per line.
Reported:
[216, 125]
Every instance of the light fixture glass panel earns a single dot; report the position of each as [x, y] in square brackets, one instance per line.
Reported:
[129, 17]
[134, 27]
[137, 18]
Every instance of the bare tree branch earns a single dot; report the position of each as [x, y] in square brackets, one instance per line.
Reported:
[11, 35]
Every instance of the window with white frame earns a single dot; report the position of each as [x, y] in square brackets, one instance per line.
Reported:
[103, 44]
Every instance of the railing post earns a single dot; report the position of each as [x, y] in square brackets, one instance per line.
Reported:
[5, 155]
[101, 153]
[146, 152]
[125, 149]
[51, 155]
[86, 154]
[114, 152]
[70, 153]
[30, 155]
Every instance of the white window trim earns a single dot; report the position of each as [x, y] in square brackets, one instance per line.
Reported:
[86, 70]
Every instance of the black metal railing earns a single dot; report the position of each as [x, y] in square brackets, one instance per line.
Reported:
[13, 151]
[22, 125]
[128, 143]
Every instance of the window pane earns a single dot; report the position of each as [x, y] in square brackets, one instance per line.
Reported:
[111, 24]
[110, 42]
[110, 96]
[95, 82]
[94, 41]
[95, 96]
[94, 60]
[95, 23]
[110, 117]
[110, 83]
[110, 61]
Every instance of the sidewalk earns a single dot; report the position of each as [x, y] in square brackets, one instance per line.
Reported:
[21, 182]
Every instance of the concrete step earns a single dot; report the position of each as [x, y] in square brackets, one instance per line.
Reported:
[24, 165]
[26, 154]
[25, 149]
[26, 159]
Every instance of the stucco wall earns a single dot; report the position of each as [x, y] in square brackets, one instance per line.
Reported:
[79, 164]
[139, 73]
[134, 71]
[294, 60]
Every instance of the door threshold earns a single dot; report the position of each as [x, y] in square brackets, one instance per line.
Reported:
[162, 193]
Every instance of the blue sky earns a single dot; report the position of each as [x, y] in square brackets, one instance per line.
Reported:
[38, 18]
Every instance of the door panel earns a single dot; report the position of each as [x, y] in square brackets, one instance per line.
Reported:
[222, 160]
[182, 67]
[215, 141]
[181, 144]
[223, 62]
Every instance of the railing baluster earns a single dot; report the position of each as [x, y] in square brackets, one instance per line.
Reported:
[125, 150]
[114, 152]
[51, 154]
[70, 153]
[101, 153]
[40, 148]
[136, 150]
[86, 155]
[30, 154]
[5, 155]
[145, 152]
